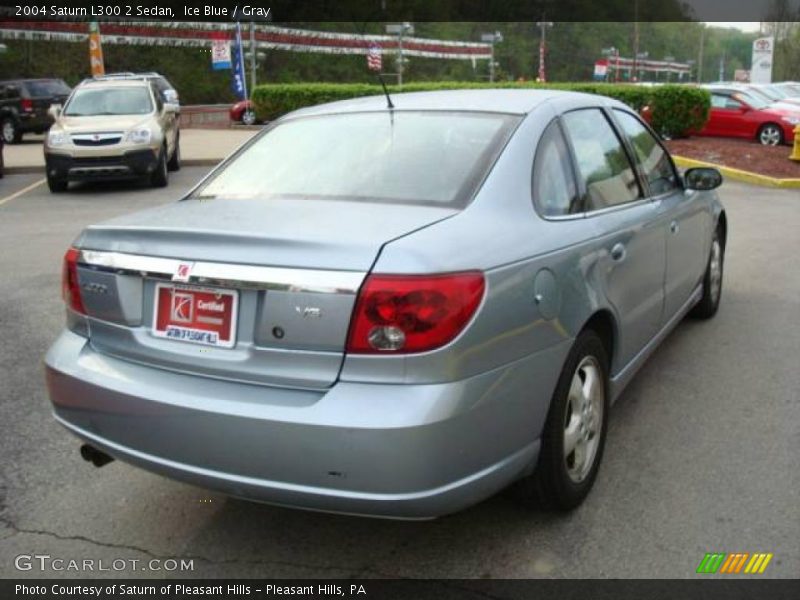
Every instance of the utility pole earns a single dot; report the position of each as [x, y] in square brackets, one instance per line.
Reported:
[700, 54]
[543, 25]
[400, 29]
[634, 77]
[252, 56]
[492, 38]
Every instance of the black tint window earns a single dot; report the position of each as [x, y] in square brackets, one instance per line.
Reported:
[603, 165]
[651, 156]
[554, 187]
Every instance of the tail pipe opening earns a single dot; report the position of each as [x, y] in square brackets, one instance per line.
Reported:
[95, 456]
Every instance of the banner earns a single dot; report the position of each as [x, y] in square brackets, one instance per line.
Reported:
[238, 83]
[220, 54]
[761, 66]
[95, 51]
[374, 59]
[600, 69]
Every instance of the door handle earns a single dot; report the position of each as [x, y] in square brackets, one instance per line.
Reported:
[674, 227]
[618, 252]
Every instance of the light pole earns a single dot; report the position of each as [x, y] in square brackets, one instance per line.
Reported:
[543, 25]
[400, 29]
[492, 38]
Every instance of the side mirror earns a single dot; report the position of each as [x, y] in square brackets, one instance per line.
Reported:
[702, 179]
[54, 111]
[170, 108]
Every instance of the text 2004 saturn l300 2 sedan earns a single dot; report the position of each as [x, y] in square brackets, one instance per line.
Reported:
[390, 311]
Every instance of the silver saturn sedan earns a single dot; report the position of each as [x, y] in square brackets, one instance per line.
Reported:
[391, 311]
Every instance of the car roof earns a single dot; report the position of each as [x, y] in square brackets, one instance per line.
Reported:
[518, 101]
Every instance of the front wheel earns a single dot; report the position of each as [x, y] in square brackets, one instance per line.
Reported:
[249, 117]
[160, 177]
[574, 435]
[175, 160]
[770, 135]
[712, 281]
[56, 185]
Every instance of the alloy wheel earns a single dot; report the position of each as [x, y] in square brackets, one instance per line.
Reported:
[715, 271]
[770, 136]
[583, 419]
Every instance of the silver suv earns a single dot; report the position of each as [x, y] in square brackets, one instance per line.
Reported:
[112, 129]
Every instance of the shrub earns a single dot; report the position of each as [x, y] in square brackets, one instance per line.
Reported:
[675, 109]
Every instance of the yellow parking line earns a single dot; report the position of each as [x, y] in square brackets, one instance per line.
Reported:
[22, 191]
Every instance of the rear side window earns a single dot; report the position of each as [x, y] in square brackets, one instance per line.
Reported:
[554, 189]
[53, 87]
[651, 156]
[603, 165]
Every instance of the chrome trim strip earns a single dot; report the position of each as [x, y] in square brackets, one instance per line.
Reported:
[228, 274]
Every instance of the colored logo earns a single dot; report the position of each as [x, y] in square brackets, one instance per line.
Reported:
[734, 563]
[183, 272]
[182, 307]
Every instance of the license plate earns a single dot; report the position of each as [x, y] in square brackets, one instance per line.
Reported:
[194, 314]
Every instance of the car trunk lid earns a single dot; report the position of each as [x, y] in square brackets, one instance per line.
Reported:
[270, 285]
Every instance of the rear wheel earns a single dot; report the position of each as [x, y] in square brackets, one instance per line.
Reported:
[10, 131]
[160, 177]
[712, 281]
[770, 135]
[574, 435]
[57, 185]
[248, 117]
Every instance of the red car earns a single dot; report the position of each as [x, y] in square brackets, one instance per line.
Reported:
[243, 112]
[735, 113]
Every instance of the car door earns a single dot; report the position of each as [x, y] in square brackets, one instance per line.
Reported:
[630, 238]
[685, 218]
[727, 117]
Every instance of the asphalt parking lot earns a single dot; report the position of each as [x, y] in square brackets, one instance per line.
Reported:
[702, 451]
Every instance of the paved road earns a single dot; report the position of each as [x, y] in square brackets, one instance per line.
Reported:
[702, 453]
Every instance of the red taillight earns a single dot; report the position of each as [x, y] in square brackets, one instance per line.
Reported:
[70, 290]
[26, 104]
[413, 313]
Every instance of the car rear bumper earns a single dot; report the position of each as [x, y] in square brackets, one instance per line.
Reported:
[135, 163]
[402, 451]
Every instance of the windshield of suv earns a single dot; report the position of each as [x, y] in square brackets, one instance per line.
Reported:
[109, 101]
[432, 157]
[52, 87]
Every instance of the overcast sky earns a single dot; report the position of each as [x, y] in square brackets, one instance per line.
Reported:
[738, 25]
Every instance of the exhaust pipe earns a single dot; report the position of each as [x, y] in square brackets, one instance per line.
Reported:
[95, 456]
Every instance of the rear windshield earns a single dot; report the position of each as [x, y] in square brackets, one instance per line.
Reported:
[52, 87]
[407, 157]
[109, 101]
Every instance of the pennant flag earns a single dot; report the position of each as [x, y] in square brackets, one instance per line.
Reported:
[95, 50]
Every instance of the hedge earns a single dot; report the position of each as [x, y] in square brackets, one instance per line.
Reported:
[673, 110]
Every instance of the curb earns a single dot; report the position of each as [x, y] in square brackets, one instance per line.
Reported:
[192, 162]
[739, 175]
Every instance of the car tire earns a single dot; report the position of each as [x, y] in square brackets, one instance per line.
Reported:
[160, 176]
[712, 281]
[174, 163]
[11, 132]
[574, 434]
[770, 134]
[249, 117]
[57, 186]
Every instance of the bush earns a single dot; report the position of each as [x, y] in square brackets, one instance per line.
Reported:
[675, 109]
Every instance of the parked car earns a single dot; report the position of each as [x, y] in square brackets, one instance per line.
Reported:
[165, 88]
[112, 129]
[778, 93]
[740, 114]
[393, 312]
[24, 104]
[243, 112]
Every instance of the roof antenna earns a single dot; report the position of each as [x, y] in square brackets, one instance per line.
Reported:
[389, 104]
